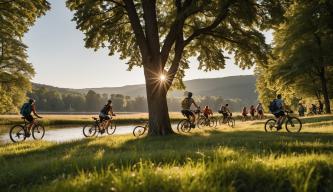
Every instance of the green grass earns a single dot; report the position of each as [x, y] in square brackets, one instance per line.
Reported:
[83, 119]
[241, 159]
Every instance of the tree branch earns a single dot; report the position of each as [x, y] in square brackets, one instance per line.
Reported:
[223, 14]
[151, 27]
[137, 28]
[182, 14]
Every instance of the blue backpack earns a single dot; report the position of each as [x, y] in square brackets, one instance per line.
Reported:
[273, 106]
[26, 109]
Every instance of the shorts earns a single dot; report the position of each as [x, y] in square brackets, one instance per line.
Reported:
[225, 115]
[187, 113]
[260, 112]
[29, 118]
[103, 117]
[252, 114]
[205, 115]
[279, 114]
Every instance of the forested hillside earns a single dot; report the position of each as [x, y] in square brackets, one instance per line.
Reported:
[237, 91]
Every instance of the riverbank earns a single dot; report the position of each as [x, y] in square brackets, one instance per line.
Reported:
[54, 119]
[244, 158]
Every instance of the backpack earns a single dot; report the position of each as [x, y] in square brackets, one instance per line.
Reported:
[273, 106]
[186, 103]
[26, 109]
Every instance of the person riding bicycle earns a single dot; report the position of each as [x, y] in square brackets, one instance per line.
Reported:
[225, 111]
[260, 110]
[252, 111]
[301, 109]
[277, 108]
[207, 111]
[186, 106]
[26, 110]
[105, 114]
[244, 112]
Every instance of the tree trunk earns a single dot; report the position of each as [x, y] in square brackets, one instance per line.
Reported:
[325, 91]
[159, 121]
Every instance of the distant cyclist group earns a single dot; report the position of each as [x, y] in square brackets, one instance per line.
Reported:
[104, 122]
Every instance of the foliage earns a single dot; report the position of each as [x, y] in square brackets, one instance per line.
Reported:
[302, 65]
[52, 100]
[240, 159]
[15, 19]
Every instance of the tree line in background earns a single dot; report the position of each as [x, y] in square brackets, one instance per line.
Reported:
[54, 101]
[301, 66]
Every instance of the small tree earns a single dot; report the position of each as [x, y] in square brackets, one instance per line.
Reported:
[161, 35]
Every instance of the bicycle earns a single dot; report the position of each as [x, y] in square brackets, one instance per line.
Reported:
[208, 122]
[228, 120]
[90, 130]
[140, 130]
[19, 133]
[184, 125]
[292, 124]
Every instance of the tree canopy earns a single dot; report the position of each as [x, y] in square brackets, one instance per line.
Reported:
[15, 72]
[162, 35]
[303, 51]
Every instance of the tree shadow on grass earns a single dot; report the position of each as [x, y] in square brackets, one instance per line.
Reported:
[46, 164]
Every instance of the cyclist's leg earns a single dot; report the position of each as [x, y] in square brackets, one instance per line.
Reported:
[31, 121]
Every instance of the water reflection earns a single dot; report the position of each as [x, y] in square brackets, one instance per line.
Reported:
[64, 133]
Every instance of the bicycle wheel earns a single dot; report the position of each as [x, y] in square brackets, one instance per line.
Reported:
[38, 132]
[89, 130]
[231, 122]
[213, 122]
[17, 133]
[221, 120]
[202, 122]
[270, 125]
[293, 125]
[185, 125]
[111, 129]
[139, 131]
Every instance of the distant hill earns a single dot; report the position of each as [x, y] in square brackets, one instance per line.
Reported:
[234, 87]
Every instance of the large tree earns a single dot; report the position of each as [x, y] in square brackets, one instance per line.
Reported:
[161, 35]
[303, 49]
[16, 16]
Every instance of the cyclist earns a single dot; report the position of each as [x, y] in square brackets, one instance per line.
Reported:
[252, 111]
[277, 108]
[186, 106]
[260, 111]
[301, 109]
[26, 110]
[225, 111]
[244, 112]
[105, 114]
[207, 111]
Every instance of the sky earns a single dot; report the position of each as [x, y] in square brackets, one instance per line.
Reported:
[56, 50]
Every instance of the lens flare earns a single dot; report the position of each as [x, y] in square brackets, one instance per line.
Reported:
[162, 77]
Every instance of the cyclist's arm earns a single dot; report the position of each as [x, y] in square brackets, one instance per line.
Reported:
[34, 112]
[195, 105]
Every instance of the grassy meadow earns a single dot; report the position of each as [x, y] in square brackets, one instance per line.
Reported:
[82, 119]
[244, 158]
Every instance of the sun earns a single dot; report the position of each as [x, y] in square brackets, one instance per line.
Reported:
[162, 77]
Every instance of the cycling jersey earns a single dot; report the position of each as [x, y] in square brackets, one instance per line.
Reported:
[186, 103]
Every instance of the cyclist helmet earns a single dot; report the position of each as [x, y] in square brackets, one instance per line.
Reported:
[109, 101]
[31, 101]
[279, 96]
[189, 94]
[226, 104]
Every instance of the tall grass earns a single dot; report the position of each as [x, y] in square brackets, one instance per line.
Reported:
[241, 159]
